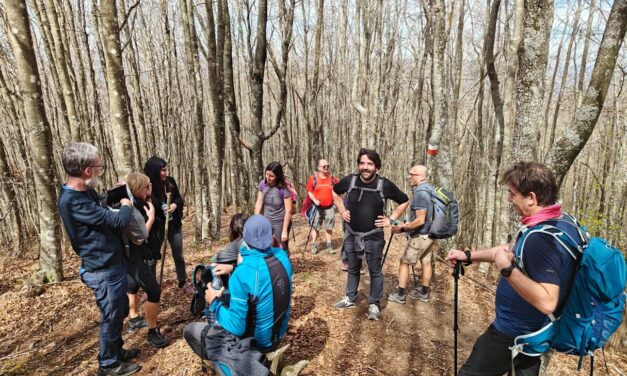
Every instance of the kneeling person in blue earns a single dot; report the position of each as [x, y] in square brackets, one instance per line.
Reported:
[259, 308]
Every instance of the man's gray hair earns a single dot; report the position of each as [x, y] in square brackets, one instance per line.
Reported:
[77, 156]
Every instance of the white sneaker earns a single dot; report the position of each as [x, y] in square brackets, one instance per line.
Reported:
[345, 303]
[373, 312]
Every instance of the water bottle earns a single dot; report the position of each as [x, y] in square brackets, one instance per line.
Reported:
[215, 284]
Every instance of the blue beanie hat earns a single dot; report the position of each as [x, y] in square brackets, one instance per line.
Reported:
[258, 232]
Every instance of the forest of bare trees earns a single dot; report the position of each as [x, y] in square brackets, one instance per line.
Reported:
[221, 88]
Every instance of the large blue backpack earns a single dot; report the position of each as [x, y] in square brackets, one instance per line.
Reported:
[592, 309]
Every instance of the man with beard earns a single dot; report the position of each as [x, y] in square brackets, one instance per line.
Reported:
[523, 299]
[94, 234]
[364, 219]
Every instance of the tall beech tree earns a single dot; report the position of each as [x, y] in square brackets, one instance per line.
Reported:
[39, 141]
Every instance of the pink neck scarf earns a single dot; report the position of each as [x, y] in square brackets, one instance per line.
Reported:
[546, 213]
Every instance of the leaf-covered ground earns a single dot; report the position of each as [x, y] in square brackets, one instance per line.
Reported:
[56, 333]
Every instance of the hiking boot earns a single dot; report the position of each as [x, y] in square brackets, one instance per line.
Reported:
[155, 338]
[345, 303]
[330, 249]
[314, 248]
[136, 323]
[397, 298]
[344, 266]
[126, 355]
[118, 369]
[373, 312]
[419, 295]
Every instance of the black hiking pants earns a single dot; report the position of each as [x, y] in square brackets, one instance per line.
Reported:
[491, 356]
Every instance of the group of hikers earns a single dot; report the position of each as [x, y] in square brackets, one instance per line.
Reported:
[247, 311]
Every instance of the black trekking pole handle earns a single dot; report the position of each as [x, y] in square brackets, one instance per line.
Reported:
[458, 269]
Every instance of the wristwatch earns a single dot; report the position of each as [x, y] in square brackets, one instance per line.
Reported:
[506, 272]
[468, 258]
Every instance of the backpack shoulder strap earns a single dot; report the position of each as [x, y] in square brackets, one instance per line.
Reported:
[566, 241]
[380, 187]
[315, 180]
[427, 187]
[265, 188]
[352, 183]
[280, 295]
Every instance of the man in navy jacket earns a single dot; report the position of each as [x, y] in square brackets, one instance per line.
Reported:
[92, 232]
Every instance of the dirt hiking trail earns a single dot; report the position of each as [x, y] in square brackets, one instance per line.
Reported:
[56, 333]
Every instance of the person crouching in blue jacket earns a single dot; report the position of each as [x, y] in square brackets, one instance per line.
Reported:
[259, 308]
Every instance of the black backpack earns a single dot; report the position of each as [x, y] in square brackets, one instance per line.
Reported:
[201, 280]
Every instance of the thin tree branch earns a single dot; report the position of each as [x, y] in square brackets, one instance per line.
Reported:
[128, 14]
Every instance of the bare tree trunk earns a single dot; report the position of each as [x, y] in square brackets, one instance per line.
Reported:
[244, 196]
[551, 86]
[39, 136]
[64, 78]
[7, 189]
[438, 157]
[495, 160]
[198, 123]
[506, 224]
[256, 73]
[563, 153]
[317, 140]
[215, 57]
[78, 71]
[584, 54]
[562, 89]
[286, 16]
[459, 53]
[138, 118]
[532, 57]
[509, 89]
[116, 87]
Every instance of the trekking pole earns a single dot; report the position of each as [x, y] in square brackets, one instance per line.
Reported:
[313, 216]
[387, 249]
[165, 237]
[413, 271]
[456, 271]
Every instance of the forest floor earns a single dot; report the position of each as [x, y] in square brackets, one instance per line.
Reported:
[56, 333]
